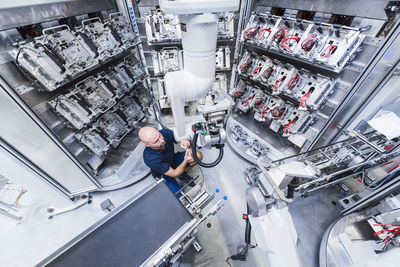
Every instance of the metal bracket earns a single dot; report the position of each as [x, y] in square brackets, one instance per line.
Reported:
[23, 89]
[396, 71]
[86, 199]
[197, 246]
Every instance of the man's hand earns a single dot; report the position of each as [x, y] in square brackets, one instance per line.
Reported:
[185, 144]
[191, 160]
[188, 156]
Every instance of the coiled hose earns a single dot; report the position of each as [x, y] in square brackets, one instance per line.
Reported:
[202, 164]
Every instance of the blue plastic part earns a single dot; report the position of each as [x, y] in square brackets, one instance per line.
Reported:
[217, 190]
[225, 197]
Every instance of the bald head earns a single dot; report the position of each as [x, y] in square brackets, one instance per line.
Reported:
[152, 138]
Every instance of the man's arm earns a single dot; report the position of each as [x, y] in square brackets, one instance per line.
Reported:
[180, 169]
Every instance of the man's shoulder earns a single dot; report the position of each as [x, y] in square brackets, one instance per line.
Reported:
[149, 151]
[168, 135]
[166, 132]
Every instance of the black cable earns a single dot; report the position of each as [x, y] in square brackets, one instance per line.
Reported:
[16, 58]
[19, 52]
[247, 233]
[55, 106]
[202, 164]
[242, 255]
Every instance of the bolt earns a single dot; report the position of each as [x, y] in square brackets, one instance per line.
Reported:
[50, 210]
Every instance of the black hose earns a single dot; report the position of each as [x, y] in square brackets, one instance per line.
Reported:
[202, 164]
[291, 187]
[247, 232]
[242, 255]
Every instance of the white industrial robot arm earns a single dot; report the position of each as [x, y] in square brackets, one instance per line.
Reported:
[199, 40]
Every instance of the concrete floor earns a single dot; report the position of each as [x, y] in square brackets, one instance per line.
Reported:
[226, 235]
[38, 237]
[311, 217]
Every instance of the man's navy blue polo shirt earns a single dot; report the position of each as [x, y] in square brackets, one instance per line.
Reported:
[159, 161]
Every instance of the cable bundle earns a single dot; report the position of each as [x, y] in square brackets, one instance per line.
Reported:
[250, 32]
[280, 34]
[329, 50]
[267, 73]
[286, 128]
[277, 83]
[278, 114]
[390, 230]
[256, 71]
[303, 100]
[262, 116]
[289, 41]
[246, 102]
[293, 82]
[237, 94]
[245, 66]
[309, 42]
[259, 103]
[261, 34]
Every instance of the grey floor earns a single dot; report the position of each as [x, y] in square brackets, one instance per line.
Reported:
[225, 237]
[38, 237]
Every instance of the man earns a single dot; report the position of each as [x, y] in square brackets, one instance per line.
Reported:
[161, 158]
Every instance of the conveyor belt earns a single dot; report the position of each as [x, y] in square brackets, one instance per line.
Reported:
[128, 235]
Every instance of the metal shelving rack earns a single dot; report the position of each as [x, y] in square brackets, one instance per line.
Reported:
[163, 34]
[111, 127]
[345, 79]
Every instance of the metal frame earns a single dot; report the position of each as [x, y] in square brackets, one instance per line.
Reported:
[46, 131]
[245, 7]
[32, 166]
[357, 8]
[333, 7]
[100, 223]
[342, 117]
[71, 8]
[16, 14]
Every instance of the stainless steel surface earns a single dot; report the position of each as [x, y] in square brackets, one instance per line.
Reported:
[6, 148]
[311, 217]
[359, 8]
[333, 163]
[17, 13]
[272, 183]
[10, 215]
[366, 86]
[391, 187]
[40, 149]
[327, 100]
[382, 96]
[245, 7]
[363, 237]
[251, 144]
[114, 78]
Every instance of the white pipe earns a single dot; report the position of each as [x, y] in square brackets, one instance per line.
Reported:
[199, 41]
